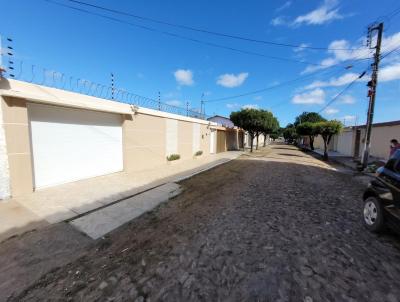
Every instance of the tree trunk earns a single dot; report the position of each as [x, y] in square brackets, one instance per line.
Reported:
[311, 142]
[265, 140]
[251, 143]
[325, 149]
[257, 141]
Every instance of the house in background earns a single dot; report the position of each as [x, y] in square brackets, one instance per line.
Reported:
[351, 140]
[229, 137]
[221, 121]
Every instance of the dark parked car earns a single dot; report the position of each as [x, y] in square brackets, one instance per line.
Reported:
[382, 197]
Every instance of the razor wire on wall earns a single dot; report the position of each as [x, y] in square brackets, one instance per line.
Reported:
[20, 70]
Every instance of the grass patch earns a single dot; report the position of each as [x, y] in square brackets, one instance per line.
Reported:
[173, 157]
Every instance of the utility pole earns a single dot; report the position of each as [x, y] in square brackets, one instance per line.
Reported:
[2, 69]
[202, 105]
[187, 108]
[372, 90]
[159, 101]
[112, 86]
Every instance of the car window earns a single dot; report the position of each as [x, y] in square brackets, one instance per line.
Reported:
[391, 163]
[396, 166]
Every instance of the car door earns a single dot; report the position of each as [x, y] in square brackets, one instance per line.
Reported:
[391, 177]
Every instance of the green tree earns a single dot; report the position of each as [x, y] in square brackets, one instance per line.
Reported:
[271, 126]
[249, 120]
[289, 133]
[312, 117]
[327, 130]
[307, 129]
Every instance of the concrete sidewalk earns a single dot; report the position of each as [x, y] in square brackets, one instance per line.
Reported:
[102, 221]
[345, 160]
[64, 202]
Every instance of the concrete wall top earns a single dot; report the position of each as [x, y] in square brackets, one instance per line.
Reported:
[53, 96]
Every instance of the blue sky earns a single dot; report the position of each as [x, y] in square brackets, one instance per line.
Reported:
[145, 62]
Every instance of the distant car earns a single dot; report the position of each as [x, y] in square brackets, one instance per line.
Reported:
[382, 197]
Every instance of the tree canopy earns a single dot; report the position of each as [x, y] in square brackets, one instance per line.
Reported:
[311, 117]
[307, 129]
[289, 133]
[327, 130]
[255, 122]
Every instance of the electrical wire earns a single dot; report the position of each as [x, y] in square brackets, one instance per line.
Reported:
[390, 52]
[185, 37]
[191, 28]
[282, 84]
[343, 91]
[393, 13]
[290, 81]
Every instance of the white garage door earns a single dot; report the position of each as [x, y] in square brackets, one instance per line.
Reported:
[71, 144]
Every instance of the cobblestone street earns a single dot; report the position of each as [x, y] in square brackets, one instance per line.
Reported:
[275, 225]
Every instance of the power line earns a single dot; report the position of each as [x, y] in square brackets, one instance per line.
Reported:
[278, 85]
[185, 37]
[293, 80]
[393, 13]
[204, 30]
[343, 91]
[390, 52]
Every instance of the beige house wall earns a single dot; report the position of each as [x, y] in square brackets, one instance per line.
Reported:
[205, 139]
[380, 140]
[319, 142]
[143, 142]
[17, 135]
[221, 141]
[144, 130]
[185, 140]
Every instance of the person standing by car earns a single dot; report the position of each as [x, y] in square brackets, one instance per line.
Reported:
[394, 146]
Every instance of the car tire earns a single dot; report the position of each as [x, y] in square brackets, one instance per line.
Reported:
[373, 215]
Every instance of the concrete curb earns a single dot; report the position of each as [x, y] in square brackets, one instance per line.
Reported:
[332, 159]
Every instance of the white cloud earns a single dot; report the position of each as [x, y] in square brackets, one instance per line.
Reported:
[342, 50]
[258, 98]
[184, 77]
[250, 106]
[347, 99]
[171, 94]
[230, 80]
[335, 82]
[174, 103]
[325, 13]
[284, 6]
[349, 117]
[389, 73]
[279, 21]
[301, 47]
[316, 96]
[233, 106]
[331, 111]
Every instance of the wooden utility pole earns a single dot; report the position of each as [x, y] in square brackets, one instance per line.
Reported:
[372, 90]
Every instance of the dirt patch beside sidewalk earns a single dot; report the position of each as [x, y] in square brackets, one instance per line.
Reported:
[25, 258]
